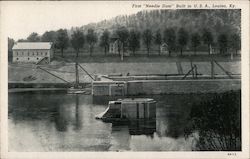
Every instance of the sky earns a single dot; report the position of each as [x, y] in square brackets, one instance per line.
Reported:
[19, 19]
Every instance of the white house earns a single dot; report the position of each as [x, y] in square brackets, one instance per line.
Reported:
[114, 44]
[113, 47]
[32, 52]
[164, 48]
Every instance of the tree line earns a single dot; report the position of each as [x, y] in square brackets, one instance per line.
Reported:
[177, 40]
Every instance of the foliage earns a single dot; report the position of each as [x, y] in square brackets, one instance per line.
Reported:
[104, 40]
[147, 39]
[158, 40]
[22, 40]
[192, 20]
[182, 38]
[207, 38]
[123, 34]
[91, 39]
[223, 42]
[195, 41]
[11, 43]
[33, 37]
[49, 36]
[169, 37]
[77, 40]
[134, 40]
[62, 40]
[235, 42]
[218, 122]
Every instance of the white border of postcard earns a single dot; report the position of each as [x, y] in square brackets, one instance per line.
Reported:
[243, 5]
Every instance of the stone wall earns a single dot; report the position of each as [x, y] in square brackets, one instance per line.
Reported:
[148, 87]
[182, 86]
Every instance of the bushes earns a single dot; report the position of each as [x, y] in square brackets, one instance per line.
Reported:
[218, 122]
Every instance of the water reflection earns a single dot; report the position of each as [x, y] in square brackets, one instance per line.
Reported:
[172, 114]
[63, 122]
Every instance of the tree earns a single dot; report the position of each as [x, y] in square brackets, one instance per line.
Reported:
[195, 41]
[49, 36]
[33, 37]
[123, 35]
[235, 42]
[147, 39]
[104, 40]
[62, 40]
[11, 43]
[77, 40]
[134, 40]
[182, 38]
[169, 37]
[223, 42]
[91, 39]
[207, 38]
[158, 40]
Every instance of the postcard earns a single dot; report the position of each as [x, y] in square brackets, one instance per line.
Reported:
[124, 79]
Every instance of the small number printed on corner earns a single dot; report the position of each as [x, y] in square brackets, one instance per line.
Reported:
[232, 154]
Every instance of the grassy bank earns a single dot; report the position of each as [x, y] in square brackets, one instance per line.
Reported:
[140, 58]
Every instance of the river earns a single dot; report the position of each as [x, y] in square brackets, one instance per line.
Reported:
[66, 122]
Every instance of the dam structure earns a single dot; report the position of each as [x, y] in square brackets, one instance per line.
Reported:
[156, 84]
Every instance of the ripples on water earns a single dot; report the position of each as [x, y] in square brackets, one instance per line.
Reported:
[64, 122]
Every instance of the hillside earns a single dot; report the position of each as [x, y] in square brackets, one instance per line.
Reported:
[217, 21]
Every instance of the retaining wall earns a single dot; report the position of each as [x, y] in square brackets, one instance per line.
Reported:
[182, 86]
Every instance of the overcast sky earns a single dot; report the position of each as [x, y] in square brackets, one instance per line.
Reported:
[21, 18]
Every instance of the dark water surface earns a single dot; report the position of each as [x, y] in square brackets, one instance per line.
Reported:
[66, 122]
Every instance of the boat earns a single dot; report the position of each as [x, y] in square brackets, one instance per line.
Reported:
[129, 109]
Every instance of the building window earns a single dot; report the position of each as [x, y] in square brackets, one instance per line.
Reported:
[28, 54]
[46, 53]
[41, 53]
[33, 53]
[17, 53]
[36, 53]
[22, 53]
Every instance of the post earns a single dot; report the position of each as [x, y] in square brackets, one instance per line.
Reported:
[121, 111]
[122, 53]
[77, 76]
[212, 69]
[192, 68]
[210, 50]
[195, 70]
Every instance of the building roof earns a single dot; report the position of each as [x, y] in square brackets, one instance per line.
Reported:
[164, 45]
[32, 45]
